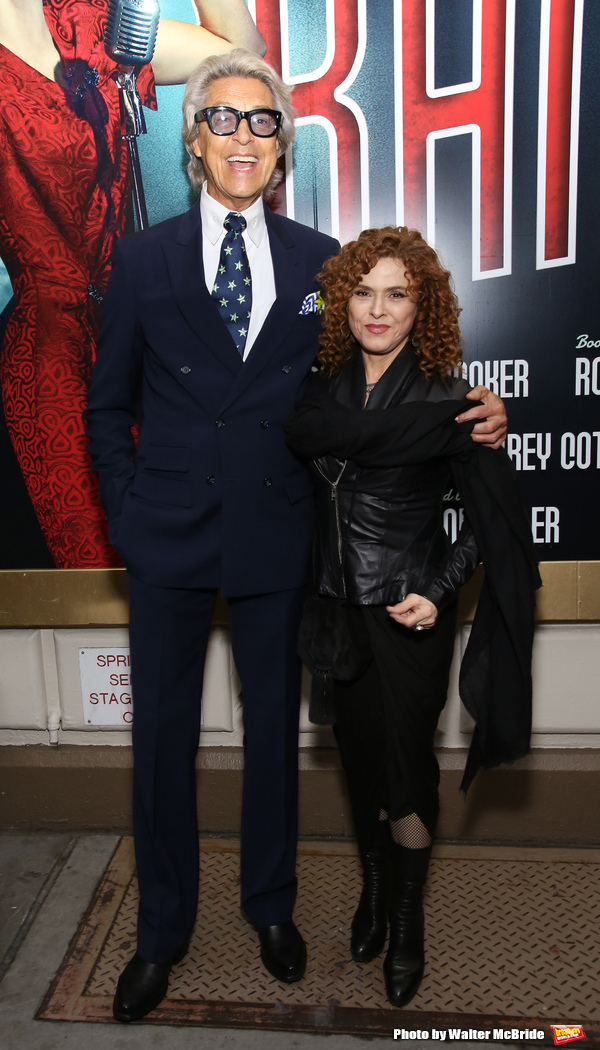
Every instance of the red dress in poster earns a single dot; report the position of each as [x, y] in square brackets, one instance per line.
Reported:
[64, 192]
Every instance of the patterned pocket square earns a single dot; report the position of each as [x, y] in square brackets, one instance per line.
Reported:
[313, 304]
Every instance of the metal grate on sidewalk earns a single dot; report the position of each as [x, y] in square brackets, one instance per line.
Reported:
[513, 939]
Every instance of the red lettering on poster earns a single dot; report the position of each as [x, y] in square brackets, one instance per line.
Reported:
[315, 98]
[483, 106]
[558, 144]
[269, 23]
[422, 115]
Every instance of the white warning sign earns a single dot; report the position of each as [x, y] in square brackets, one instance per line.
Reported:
[106, 686]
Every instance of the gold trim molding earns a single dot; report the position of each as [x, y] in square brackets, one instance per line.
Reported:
[570, 593]
[98, 597]
[63, 597]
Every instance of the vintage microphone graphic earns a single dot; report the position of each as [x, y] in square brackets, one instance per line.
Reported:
[129, 39]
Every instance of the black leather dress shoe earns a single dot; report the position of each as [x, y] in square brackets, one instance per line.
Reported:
[142, 986]
[283, 951]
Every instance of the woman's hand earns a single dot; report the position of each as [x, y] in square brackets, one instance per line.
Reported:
[415, 612]
[180, 46]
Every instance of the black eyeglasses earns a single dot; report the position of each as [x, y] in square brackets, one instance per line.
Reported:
[223, 120]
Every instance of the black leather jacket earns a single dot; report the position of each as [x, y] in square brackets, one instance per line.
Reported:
[395, 543]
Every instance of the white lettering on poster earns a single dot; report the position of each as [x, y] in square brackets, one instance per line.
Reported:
[532, 451]
[452, 520]
[545, 524]
[506, 378]
[529, 451]
[580, 450]
[587, 375]
[106, 686]
[585, 343]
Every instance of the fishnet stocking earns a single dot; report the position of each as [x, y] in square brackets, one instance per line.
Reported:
[410, 832]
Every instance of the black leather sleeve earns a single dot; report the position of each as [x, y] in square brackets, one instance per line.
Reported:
[461, 562]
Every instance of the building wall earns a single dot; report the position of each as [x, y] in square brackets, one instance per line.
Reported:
[41, 696]
[59, 768]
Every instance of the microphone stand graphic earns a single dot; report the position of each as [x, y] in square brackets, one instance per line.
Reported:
[133, 123]
[129, 39]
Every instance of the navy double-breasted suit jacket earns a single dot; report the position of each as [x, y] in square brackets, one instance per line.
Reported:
[212, 497]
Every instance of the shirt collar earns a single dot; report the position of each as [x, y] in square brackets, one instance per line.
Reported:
[213, 214]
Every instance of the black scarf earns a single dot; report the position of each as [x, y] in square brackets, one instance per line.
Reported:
[495, 674]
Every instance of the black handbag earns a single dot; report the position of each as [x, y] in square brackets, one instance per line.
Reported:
[332, 639]
[332, 642]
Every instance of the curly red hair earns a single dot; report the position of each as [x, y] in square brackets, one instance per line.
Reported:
[435, 333]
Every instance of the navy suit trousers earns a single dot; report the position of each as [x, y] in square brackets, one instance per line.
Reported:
[169, 629]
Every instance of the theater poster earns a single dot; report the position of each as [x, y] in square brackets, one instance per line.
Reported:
[477, 122]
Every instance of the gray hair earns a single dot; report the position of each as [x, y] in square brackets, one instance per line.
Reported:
[237, 63]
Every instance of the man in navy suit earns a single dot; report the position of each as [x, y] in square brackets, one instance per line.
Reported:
[213, 498]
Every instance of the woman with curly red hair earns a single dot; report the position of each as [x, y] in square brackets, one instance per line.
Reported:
[378, 421]
[435, 330]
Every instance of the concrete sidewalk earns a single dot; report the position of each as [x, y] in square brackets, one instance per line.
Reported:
[46, 883]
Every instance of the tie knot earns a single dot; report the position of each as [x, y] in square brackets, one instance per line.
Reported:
[234, 221]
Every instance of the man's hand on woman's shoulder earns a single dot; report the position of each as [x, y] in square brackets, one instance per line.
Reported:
[491, 428]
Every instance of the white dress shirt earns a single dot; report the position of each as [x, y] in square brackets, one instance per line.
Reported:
[258, 251]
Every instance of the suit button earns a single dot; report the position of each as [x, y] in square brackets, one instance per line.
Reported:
[286, 369]
[210, 479]
[268, 482]
[185, 369]
[264, 423]
[220, 423]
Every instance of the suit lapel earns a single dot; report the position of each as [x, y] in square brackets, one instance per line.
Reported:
[287, 259]
[188, 284]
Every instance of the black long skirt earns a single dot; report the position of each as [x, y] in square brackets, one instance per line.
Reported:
[386, 720]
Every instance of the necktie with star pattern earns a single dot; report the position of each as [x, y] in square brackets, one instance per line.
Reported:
[232, 290]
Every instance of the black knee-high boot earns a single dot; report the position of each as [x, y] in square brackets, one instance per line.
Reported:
[405, 960]
[369, 925]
